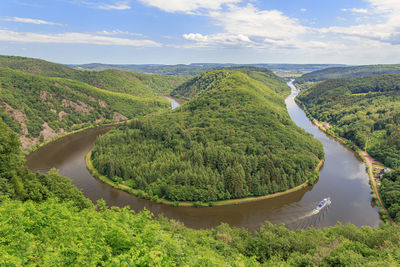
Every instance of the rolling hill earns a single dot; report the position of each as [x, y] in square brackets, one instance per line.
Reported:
[201, 82]
[198, 68]
[113, 80]
[38, 108]
[233, 139]
[347, 72]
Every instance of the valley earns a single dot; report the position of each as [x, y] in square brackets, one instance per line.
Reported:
[342, 178]
[199, 133]
[218, 101]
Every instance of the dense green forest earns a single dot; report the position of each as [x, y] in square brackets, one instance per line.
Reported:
[201, 82]
[18, 183]
[38, 107]
[347, 72]
[365, 111]
[235, 139]
[46, 221]
[390, 193]
[40, 99]
[113, 80]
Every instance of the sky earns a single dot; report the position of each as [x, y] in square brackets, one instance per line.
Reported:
[202, 31]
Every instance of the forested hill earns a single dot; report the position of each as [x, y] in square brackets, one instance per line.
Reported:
[365, 111]
[38, 108]
[113, 80]
[233, 140]
[36, 66]
[206, 81]
[17, 182]
[347, 72]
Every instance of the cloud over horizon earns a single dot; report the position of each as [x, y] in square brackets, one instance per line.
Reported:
[115, 5]
[334, 32]
[30, 20]
[73, 38]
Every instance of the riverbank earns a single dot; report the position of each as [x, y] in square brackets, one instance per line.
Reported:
[42, 144]
[172, 99]
[142, 194]
[364, 156]
[39, 145]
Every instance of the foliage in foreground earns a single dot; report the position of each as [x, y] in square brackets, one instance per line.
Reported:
[59, 234]
[234, 140]
[17, 182]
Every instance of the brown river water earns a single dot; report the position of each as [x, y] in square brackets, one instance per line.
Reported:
[343, 178]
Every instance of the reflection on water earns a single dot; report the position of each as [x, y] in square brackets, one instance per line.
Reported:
[174, 103]
[343, 178]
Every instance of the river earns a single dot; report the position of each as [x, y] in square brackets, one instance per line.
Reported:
[343, 178]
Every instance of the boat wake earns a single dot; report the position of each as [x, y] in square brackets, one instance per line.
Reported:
[311, 213]
[310, 217]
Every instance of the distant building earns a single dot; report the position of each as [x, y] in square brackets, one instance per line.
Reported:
[326, 125]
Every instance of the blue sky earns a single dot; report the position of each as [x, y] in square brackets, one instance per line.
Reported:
[189, 31]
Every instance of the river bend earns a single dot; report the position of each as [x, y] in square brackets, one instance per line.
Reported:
[343, 178]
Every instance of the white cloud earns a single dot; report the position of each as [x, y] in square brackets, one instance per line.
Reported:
[250, 21]
[72, 38]
[355, 10]
[220, 39]
[383, 24]
[373, 37]
[29, 20]
[188, 5]
[119, 32]
[118, 5]
[197, 37]
[385, 5]
[303, 9]
[248, 26]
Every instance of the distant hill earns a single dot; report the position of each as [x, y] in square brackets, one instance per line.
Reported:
[203, 81]
[233, 139]
[36, 66]
[198, 68]
[38, 107]
[112, 80]
[347, 72]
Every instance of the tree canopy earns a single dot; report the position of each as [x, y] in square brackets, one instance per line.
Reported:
[233, 139]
